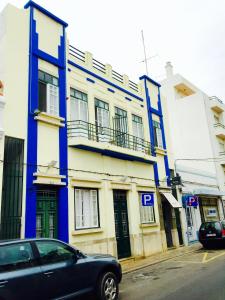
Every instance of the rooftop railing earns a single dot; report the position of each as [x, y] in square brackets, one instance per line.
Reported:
[107, 135]
[216, 98]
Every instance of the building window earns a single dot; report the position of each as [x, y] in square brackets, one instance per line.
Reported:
[78, 106]
[157, 134]
[147, 213]
[102, 121]
[86, 209]
[48, 93]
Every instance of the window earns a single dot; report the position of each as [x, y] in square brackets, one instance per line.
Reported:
[120, 127]
[138, 132]
[221, 148]
[48, 93]
[157, 134]
[102, 120]
[15, 256]
[216, 119]
[86, 209]
[53, 252]
[147, 212]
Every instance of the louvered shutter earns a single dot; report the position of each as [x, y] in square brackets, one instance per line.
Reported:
[78, 209]
[52, 100]
[94, 208]
[159, 137]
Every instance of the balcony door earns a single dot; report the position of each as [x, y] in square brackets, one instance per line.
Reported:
[102, 121]
[138, 133]
[120, 127]
[78, 114]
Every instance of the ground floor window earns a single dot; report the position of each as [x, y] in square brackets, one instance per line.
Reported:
[147, 213]
[86, 208]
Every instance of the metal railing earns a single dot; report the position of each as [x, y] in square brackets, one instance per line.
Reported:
[98, 66]
[117, 76]
[219, 125]
[216, 99]
[77, 53]
[133, 85]
[107, 135]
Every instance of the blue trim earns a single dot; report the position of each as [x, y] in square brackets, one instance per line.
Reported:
[49, 58]
[155, 112]
[128, 99]
[114, 154]
[32, 4]
[142, 105]
[104, 80]
[90, 80]
[166, 163]
[69, 70]
[150, 80]
[110, 90]
[31, 195]
[63, 223]
[156, 174]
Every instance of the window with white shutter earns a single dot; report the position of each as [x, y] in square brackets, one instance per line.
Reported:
[86, 209]
[48, 93]
[138, 132]
[157, 134]
[147, 213]
[102, 120]
[79, 113]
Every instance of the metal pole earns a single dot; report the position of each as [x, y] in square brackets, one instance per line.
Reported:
[146, 62]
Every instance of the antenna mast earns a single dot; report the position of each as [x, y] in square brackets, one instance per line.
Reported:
[145, 60]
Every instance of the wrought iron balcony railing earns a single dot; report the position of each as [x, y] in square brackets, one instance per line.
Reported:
[107, 135]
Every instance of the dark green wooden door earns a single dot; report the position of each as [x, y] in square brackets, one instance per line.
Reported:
[121, 224]
[46, 215]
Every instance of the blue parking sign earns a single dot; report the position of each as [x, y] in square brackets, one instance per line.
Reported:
[147, 199]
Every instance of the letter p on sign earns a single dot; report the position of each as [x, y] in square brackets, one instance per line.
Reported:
[147, 199]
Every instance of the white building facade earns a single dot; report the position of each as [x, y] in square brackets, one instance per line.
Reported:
[195, 147]
[84, 146]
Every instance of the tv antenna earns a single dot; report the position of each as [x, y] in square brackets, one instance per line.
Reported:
[145, 57]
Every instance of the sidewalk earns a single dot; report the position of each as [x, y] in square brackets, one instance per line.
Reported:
[132, 264]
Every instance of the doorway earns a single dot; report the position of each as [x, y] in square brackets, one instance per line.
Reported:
[167, 217]
[46, 214]
[121, 223]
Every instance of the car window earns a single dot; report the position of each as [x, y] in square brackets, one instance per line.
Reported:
[52, 252]
[15, 256]
[211, 225]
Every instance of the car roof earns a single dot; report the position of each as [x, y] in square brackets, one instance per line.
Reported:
[14, 241]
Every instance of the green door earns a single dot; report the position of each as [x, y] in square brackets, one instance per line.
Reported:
[121, 224]
[46, 215]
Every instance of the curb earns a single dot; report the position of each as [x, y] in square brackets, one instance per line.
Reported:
[159, 261]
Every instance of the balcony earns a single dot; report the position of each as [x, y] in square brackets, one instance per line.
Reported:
[109, 142]
[216, 104]
[220, 130]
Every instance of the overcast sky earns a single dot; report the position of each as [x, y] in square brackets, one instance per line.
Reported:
[189, 33]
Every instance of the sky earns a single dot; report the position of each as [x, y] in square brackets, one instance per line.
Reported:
[189, 33]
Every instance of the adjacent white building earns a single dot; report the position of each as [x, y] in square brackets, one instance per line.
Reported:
[197, 133]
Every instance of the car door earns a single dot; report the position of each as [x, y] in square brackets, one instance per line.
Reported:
[19, 272]
[62, 275]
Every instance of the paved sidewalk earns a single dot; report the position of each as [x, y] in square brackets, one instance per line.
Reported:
[133, 264]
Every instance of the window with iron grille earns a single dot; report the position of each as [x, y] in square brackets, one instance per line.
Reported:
[147, 213]
[86, 208]
[48, 93]
[157, 134]
[102, 120]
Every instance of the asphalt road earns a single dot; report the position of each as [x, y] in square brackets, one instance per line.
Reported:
[196, 276]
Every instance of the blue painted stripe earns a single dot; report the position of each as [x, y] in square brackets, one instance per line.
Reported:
[32, 4]
[63, 223]
[30, 212]
[90, 80]
[110, 90]
[128, 99]
[166, 163]
[104, 80]
[49, 58]
[156, 174]
[150, 80]
[155, 112]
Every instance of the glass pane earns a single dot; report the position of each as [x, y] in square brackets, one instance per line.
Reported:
[17, 256]
[52, 252]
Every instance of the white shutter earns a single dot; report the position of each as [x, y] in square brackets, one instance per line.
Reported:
[74, 109]
[87, 209]
[83, 111]
[159, 137]
[135, 129]
[78, 209]
[52, 99]
[94, 208]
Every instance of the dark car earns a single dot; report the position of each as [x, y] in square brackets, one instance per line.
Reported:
[212, 233]
[51, 269]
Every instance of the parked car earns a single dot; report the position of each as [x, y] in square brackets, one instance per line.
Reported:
[51, 269]
[212, 233]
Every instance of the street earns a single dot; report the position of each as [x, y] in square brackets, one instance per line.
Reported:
[195, 276]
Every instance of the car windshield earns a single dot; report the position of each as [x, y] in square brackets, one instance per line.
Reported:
[211, 225]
